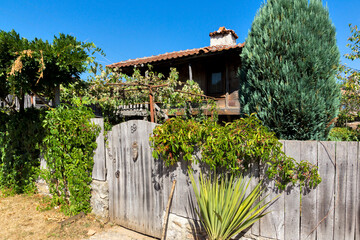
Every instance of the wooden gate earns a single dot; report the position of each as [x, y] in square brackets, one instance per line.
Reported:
[135, 199]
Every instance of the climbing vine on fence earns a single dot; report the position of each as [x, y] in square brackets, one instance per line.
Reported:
[68, 150]
[233, 147]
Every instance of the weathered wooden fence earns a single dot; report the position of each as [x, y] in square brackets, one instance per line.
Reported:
[330, 211]
[139, 187]
[30, 101]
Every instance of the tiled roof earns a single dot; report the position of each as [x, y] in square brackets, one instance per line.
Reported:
[174, 55]
[222, 31]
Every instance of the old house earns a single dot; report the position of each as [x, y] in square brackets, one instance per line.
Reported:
[214, 68]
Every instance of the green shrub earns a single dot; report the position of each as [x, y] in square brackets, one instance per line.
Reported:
[344, 134]
[224, 209]
[68, 150]
[289, 63]
[344, 118]
[21, 135]
[233, 147]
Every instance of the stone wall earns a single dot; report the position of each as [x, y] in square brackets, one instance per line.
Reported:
[188, 229]
[100, 198]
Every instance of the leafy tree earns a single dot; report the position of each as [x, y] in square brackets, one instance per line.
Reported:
[350, 81]
[37, 66]
[289, 63]
[32, 67]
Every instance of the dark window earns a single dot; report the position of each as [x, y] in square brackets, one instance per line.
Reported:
[216, 83]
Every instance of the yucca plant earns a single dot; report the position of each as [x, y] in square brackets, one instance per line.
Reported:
[224, 208]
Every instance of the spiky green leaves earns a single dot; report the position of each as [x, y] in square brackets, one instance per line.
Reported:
[224, 207]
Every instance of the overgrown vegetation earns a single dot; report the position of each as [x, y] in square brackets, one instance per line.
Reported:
[68, 150]
[344, 134]
[289, 63]
[234, 147]
[37, 67]
[21, 135]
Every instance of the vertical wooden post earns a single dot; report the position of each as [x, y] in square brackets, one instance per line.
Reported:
[190, 72]
[167, 211]
[32, 100]
[152, 117]
[57, 96]
[227, 85]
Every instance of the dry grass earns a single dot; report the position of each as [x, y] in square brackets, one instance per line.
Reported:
[20, 219]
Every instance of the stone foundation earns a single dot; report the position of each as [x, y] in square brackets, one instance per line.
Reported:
[42, 187]
[184, 228]
[100, 198]
[189, 229]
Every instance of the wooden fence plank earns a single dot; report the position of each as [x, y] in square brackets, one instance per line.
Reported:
[255, 172]
[308, 205]
[119, 168]
[350, 202]
[157, 180]
[340, 190]
[248, 176]
[292, 197]
[272, 225]
[99, 169]
[326, 190]
[110, 174]
[182, 191]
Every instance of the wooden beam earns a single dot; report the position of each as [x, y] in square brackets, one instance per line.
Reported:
[152, 117]
[207, 111]
[227, 84]
[167, 211]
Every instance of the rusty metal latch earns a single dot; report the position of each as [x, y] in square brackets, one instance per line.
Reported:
[135, 151]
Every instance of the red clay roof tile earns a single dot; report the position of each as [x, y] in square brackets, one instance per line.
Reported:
[173, 55]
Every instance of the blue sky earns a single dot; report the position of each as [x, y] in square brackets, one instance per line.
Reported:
[131, 29]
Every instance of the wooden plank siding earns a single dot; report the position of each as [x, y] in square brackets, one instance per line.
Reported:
[29, 101]
[140, 192]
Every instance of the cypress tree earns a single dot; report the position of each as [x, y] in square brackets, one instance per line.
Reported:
[289, 63]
